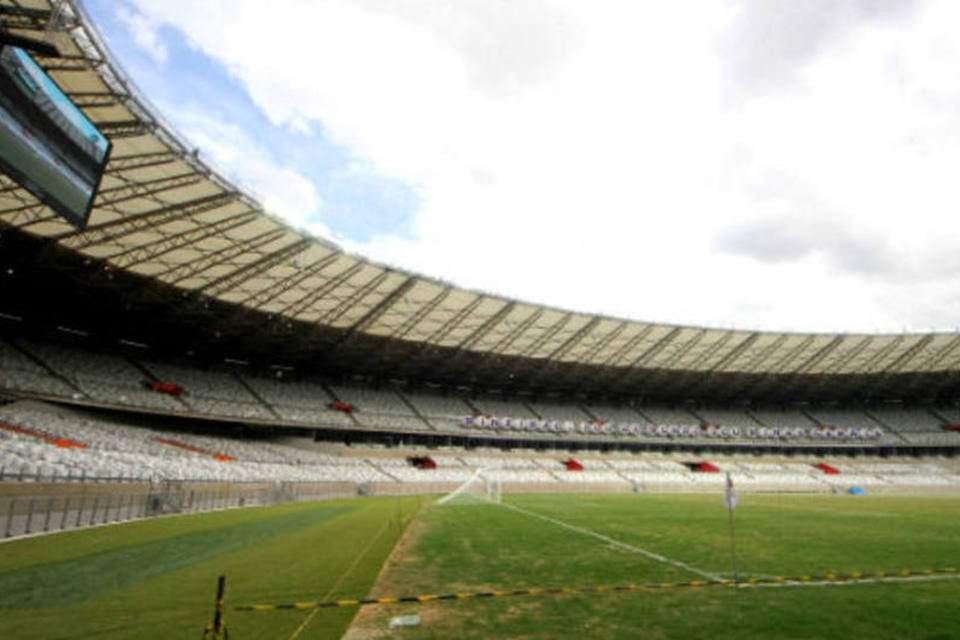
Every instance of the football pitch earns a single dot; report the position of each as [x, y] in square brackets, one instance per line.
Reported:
[156, 579]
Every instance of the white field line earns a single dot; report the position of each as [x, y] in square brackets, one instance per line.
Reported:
[848, 581]
[336, 585]
[616, 543]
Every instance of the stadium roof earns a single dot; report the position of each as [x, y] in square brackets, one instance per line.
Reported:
[164, 217]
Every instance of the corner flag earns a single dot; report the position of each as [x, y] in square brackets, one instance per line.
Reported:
[730, 499]
[729, 495]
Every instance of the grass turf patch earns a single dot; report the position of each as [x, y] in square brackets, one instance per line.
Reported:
[275, 554]
[63, 583]
[475, 548]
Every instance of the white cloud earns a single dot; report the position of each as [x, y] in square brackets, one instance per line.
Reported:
[596, 156]
[228, 148]
[144, 32]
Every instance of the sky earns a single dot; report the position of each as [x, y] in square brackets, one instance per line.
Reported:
[755, 164]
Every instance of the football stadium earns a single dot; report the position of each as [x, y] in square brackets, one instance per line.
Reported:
[215, 424]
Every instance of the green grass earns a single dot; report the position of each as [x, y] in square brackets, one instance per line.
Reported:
[465, 548]
[156, 578]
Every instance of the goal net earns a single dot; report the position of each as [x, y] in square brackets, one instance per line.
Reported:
[482, 487]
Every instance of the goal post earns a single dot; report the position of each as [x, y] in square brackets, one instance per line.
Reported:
[482, 486]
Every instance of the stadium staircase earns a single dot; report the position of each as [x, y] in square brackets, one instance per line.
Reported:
[422, 418]
[149, 375]
[46, 367]
[269, 407]
[337, 400]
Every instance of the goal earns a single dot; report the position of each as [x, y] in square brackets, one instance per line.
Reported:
[482, 487]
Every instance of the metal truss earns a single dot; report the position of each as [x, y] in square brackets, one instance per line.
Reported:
[486, 327]
[299, 306]
[418, 316]
[152, 250]
[187, 270]
[356, 298]
[130, 225]
[234, 279]
[378, 310]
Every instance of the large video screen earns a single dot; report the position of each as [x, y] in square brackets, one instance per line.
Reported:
[47, 144]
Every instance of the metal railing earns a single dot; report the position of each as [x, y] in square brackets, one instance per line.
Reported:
[32, 508]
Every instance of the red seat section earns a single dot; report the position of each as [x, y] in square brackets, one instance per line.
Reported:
[63, 443]
[951, 427]
[573, 465]
[222, 457]
[422, 462]
[168, 388]
[346, 407]
[827, 469]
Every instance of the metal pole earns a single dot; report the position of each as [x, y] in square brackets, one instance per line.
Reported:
[10, 512]
[63, 516]
[733, 547]
[46, 520]
[29, 514]
[83, 499]
[215, 628]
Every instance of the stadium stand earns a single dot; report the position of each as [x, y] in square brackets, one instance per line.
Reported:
[187, 261]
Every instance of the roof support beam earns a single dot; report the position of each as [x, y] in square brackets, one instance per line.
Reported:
[376, 312]
[817, 357]
[578, 336]
[486, 327]
[93, 99]
[547, 335]
[504, 343]
[417, 317]
[666, 373]
[140, 161]
[191, 269]
[552, 361]
[881, 354]
[152, 250]
[121, 227]
[478, 334]
[908, 355]
[234, 278]
[27, 19]
[346, 304]
[299, 306]
[685, 348]
[267, 295]
[785, 373]
[765, 356]
[657, 347]
[453, 322]
[718, 345]
[147, 189]
[630, 345]
[119, 129]
[725, 360]
[941, 355]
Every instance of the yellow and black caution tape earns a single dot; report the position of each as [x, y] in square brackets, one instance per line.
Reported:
[838, 578]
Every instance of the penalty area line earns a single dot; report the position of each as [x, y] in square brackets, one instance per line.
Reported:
[616, 543]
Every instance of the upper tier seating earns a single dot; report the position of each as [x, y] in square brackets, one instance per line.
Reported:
[211, 392]
[30, 368]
